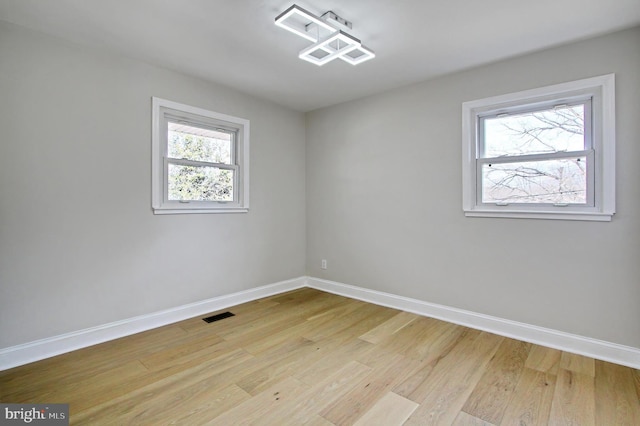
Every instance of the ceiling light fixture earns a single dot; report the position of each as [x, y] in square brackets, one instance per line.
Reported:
[329, 40]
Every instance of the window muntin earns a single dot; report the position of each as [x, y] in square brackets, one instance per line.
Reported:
[563, 171]
[200, 160]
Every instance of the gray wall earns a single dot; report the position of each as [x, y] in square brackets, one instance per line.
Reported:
[79, 245]
[384, 202]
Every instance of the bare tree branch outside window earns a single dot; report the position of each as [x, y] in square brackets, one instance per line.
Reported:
[552, 180]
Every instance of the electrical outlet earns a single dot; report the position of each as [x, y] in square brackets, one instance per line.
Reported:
[323, 265]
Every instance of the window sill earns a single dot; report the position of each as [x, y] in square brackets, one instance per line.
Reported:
[199, 211]
[514, 214]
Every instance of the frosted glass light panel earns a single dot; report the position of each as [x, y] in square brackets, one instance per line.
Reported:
[537, 156]
[200, 164]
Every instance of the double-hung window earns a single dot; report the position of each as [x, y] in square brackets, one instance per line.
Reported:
[200, 160]
[545, 153]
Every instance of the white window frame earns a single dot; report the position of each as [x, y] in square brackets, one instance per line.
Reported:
[599, 94]
[164, 110]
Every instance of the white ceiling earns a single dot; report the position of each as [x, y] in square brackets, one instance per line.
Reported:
[235, 42]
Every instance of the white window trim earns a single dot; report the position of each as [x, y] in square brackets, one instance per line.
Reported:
[159, 202]
[602, 91]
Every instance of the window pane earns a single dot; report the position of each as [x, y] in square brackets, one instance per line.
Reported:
[198, 144]
[550, 181]
[197, 183]
[558, 129]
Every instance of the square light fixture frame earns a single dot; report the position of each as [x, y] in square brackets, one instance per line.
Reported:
[350, 43]
[303, 23]
[286, 20]
[365, 55]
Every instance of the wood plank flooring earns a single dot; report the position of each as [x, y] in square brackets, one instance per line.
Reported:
[308, 357]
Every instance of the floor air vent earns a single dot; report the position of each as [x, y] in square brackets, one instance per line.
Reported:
[218, 317]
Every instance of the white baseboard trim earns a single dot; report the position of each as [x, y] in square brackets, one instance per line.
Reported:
[606, 351]
[45, 348]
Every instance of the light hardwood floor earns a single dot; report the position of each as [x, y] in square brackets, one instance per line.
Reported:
[308, 357]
